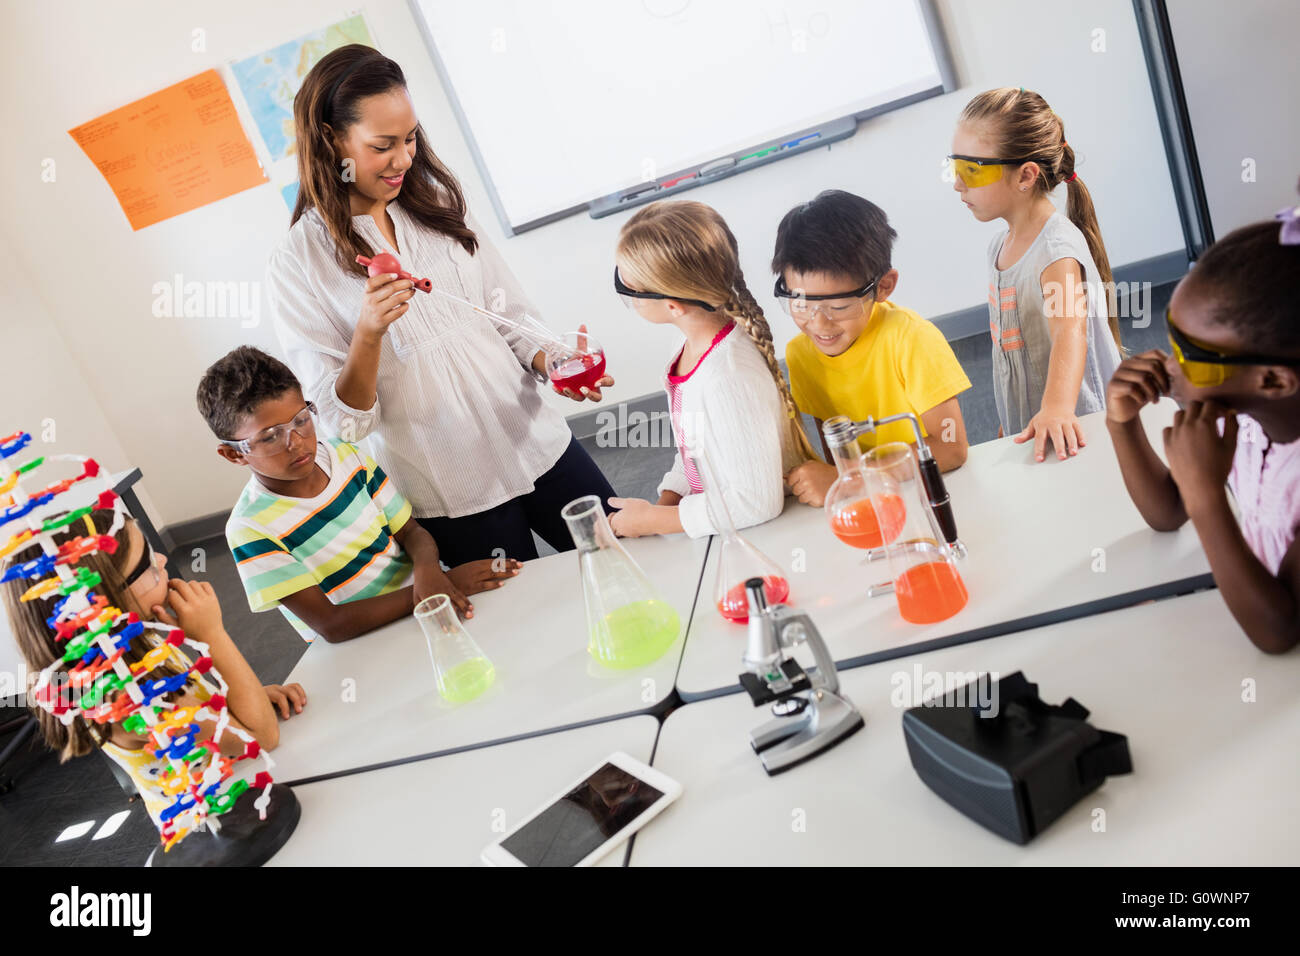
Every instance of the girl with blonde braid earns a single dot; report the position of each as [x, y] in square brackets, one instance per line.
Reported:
[678, 265]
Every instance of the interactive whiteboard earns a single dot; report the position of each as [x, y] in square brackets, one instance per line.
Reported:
[575, 104]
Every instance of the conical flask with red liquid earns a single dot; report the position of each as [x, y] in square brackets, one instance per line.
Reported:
[926, 582]
[738, 560]
[853, 516]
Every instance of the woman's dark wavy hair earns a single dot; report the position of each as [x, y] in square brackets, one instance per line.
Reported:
[330, 98]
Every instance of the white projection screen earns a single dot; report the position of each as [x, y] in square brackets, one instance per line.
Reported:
[571, 101]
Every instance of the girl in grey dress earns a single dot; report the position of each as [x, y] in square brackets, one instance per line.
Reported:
[1051, 314]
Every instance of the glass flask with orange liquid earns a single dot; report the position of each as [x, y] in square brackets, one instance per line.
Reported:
[926, 582]
[854, 518]
[738, 560]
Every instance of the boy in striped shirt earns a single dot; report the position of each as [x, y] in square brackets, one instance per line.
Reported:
[319, 530]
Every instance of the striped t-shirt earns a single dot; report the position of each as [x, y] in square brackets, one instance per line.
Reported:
[341, 540]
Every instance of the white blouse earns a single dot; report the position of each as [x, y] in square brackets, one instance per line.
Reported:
[731, 402]
[459, 422]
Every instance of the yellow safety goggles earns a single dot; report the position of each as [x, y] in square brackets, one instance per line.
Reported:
[977, 171]
[1203, 366]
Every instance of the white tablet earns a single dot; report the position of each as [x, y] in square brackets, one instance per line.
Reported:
[583, 823]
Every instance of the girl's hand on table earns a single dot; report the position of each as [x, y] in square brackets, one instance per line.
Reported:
[634, 517]
[1058, 424]
[287, 699]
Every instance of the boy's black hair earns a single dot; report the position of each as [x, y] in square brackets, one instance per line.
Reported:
[837, 232]
[237, 383]
[1252, 278]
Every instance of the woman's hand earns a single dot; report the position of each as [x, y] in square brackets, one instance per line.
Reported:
[1139, 381]
[484, 574]
[1059, 424]
[287, 699]
[592, 393]
[386, 300]
[196, 610]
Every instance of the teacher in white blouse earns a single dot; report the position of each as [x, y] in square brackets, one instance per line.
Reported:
[449, 401]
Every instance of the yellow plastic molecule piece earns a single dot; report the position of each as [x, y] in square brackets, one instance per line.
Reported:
[41, 589]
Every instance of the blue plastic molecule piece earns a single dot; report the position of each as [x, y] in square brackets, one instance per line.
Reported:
[17, 511]
[20, 440]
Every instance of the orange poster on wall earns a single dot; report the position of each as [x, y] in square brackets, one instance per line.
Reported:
[172, 151]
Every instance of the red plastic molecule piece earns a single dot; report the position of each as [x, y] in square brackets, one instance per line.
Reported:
[216, 702]
[262, 780]
[252, 750]
[203, 665]
[91, 468]
[106, 499]
[176, 638]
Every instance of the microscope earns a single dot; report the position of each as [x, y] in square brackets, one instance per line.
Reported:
[811, 715]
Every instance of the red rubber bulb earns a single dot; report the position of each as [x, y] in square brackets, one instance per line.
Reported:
[386, 262]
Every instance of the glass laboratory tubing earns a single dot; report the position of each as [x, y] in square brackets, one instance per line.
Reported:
[628, 624]
[926, 581]
[849, 509]
[738, 560]
[460, 667]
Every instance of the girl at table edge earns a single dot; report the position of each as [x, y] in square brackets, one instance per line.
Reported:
[678, 264]
[133, 578]
[502, 463]
[1235, 332]
[1055, 333]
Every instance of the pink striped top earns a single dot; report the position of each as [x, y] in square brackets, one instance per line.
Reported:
[675, 383]
[1265, 480]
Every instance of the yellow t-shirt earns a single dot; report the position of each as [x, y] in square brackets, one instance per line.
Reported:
[900, 363]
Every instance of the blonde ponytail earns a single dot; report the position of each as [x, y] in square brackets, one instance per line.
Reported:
[1021, 124]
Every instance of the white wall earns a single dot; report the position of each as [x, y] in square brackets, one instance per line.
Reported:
[95, 275]
[45, 392]
[1242, 107]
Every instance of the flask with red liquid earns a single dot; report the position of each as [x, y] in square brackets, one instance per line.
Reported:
[854, 517]
[926, 582]
[738, 560]
[575, 362]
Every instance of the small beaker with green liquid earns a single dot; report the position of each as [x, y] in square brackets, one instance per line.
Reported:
[628, 623]
[460, 667]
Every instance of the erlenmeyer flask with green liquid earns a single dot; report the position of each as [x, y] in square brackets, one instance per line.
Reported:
[460, 667]
[628, 623]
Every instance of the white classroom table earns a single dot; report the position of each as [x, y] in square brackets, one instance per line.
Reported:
[373, 700]
[442, 812]
[1214, 778]
[1035, 531]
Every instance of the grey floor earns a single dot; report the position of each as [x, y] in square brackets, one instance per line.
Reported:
[39, 798]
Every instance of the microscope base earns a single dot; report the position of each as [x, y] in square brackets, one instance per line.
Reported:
[788, 741]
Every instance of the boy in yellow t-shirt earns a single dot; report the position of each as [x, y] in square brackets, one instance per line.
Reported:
[860, 354]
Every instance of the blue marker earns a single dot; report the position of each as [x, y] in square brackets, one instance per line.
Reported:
[802, 139]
